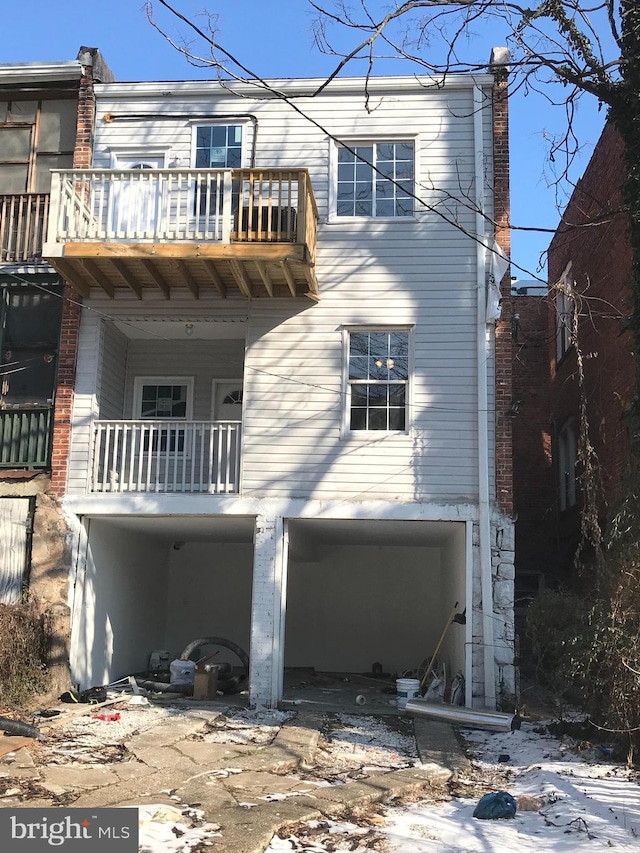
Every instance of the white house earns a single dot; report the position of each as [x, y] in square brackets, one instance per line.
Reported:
[284, 429]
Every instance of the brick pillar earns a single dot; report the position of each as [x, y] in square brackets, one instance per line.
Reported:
[64, 390]
[504, 344]
[72, 305]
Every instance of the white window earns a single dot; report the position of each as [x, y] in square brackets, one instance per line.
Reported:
[218, 146]
[163, 398]
[565, 310]
[567, 454]
[376, 179]
[377, 379]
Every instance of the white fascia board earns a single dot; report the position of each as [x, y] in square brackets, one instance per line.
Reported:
[105, 505]
[292, 87]
[39, 72]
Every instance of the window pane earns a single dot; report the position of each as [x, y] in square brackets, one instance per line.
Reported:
[13, 179]
[404, 169]
[14, 144]
[23, 111]
[404, 151]
[359, 343]
[30, 376]
[378, 396]
[386, 151]
[44, 164]
[345, 192]
[345, 156]
[397, 419]
[378, 419]
[386, 207]
[359, 368]
[363, 208]
[344, 208]
[358, 395]
[364, 172]
[358, 419]
[32, 319]
[404, 207]
[57, 126]
[397, 395]
[398, 368]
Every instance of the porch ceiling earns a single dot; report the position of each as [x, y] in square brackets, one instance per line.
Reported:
[253, 270]
[176, 529]
[304, 533]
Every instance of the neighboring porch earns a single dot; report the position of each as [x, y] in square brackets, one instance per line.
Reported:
[251, 231]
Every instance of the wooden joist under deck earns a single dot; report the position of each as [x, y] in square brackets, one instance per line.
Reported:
[255, 270]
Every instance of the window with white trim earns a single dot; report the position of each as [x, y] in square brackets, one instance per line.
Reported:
[377, 379]
[376, 179]
[567, 455]
[163, 398]
[565, 310]
[218, 146]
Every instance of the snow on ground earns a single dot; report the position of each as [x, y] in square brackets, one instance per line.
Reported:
[583, 804]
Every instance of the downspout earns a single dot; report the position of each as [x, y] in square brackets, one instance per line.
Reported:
[482, 356]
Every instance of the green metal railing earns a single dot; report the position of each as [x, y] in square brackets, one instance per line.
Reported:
[25, 437]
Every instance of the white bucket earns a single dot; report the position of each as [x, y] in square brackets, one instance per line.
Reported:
[407, 688]
[182, 671]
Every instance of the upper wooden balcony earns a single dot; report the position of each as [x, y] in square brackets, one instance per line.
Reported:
[23, 227]
[253, 230]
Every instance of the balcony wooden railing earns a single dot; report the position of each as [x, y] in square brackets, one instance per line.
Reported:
[23, 226]
[25, 437]
[219, 205]
[254, 229]
[166, 456]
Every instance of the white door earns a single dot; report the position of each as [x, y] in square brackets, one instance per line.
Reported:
[137, 204]
[227, 406]
[227, 403]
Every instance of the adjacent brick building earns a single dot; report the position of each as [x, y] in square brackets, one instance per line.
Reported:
[46, 121]
[589, 268]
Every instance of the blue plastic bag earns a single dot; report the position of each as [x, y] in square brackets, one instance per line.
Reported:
[495, 806]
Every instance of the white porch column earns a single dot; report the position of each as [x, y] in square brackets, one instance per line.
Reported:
[265, 606]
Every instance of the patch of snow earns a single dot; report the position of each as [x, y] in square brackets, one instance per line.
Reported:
[167, 828]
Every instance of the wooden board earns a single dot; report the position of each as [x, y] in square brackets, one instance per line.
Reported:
[11, 744]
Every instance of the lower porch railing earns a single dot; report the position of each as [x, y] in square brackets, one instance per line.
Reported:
[25, 437]
[166, 456]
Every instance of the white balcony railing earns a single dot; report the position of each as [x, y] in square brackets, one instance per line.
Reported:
[166, 456]
[159, 205]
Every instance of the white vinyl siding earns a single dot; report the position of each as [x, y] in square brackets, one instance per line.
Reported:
[417, 272]
[113, 372]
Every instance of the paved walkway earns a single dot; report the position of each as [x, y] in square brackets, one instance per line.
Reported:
[169, 767]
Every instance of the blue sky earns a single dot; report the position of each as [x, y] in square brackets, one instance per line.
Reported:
[275, 40]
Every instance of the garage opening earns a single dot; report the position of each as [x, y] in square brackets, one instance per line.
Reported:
[366, 597]
[151, 584]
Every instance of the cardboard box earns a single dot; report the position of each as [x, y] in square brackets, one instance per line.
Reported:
[205, 682]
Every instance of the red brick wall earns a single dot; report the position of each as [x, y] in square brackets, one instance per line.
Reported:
[504, 349]
[601, 262]
[532, 461]
[72, 306]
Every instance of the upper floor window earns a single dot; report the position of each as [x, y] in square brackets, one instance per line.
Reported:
[565, 311]
[35, 136]
[567, 454]
[377, 379]
[376, 179]
[218, 146]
